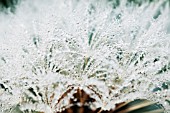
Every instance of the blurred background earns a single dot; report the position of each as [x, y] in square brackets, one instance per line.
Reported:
[11, 5]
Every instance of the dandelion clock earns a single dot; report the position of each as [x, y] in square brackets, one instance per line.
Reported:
[85, 56]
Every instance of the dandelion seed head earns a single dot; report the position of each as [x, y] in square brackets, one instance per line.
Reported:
[113, 55]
